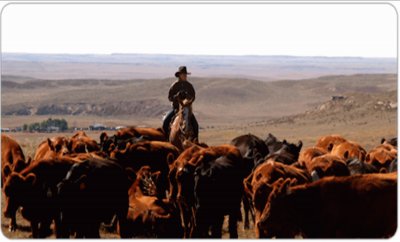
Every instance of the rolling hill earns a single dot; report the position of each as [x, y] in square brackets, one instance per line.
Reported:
[216, 98]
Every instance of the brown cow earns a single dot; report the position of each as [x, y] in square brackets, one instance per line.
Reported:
[327, 165]
[148, 215]
[359, 206]
[306, 156]
[81, 143]
[182, 178]
[182, 185]
[12, 160]
[381, 157]
[349, 150]
[327, 142]
[259, 183]
[34, 190]
[12, 157]
[131, 135]
[52, 148]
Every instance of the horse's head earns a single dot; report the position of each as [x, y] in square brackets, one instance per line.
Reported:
[183, 99]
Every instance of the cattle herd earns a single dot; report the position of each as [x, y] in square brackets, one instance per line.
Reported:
[138, 184]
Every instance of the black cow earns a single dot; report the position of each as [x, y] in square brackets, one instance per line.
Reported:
[218, 192]
[253, 149]
[34, 189]
[92, 192]
[288, 153]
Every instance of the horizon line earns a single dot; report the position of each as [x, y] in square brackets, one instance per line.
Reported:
[210, 55]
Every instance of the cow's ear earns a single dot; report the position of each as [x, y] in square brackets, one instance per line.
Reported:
[50, 143]
[329, 147]
[30, 179]
[346, 155]
[103, 137]
[299, 144]
[284, 141]
[6, 170]
[383, 140]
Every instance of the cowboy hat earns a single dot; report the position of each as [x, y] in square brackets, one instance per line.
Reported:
[182, 69]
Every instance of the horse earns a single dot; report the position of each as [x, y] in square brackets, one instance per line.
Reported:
[181, 127]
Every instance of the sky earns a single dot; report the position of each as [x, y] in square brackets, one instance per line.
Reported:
[365, 30]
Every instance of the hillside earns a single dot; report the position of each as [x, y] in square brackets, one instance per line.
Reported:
[217, 99]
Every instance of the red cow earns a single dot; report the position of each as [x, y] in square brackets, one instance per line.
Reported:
[258, 185]
[327, 165]
[131, 135]
[349, 150]
[81, 143]
[327, 142]
[52, 148]
[12, 157]
[148, 215]
[182, 185]
[381, 157]
[12, 160]
[358, 206]
[306, 155]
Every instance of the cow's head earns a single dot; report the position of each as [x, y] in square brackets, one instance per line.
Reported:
[107, 144]
[328, 165]
[16, 190]
[58, 145]
[381, 159]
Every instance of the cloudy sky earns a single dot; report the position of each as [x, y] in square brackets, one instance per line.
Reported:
[367, 30]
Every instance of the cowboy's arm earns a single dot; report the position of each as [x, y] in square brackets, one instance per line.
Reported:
[172, 93]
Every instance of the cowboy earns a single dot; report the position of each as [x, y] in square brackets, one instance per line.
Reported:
[180, 85]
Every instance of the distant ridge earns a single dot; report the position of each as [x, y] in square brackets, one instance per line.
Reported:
[133, 66]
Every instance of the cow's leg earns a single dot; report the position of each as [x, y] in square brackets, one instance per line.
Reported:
[35, 229]
[93, 231]
[233, 218]
[202, 224]
[246, 208]
[13, 223]
[185, 219]
[61, 228]
[44, 229]
[259, 232]
[123, 227]
[216, 227]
